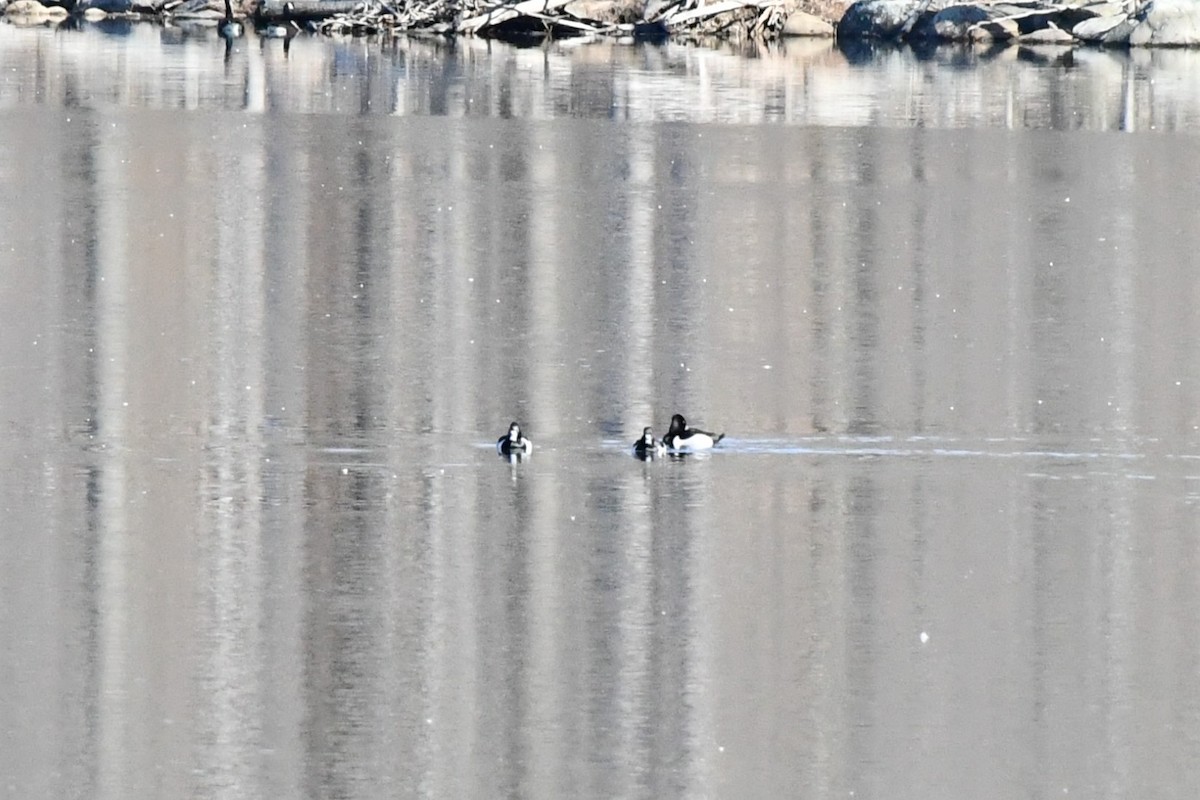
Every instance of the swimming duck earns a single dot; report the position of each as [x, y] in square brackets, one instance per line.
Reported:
[513, 442]
[681, 437]
[648, 446]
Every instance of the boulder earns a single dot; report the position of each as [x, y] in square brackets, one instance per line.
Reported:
[829, 10]
[26, 8]
[1113, 30]
[613, 12]
[1048, 35]
[994, 30]
[1168, 23]
[801, 23]
[878, 19]
[107, 6]
[953, 23]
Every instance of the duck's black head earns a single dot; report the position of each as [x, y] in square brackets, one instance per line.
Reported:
[514, 432]
[648, 436]
[678, 425]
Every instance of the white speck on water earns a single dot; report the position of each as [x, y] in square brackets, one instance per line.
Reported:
[572, 518]
[924, 637]
[766, 366]
[1066, 199]
[720, 748]
[345, 470]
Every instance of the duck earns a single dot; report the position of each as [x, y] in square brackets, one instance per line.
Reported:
[681, 437]
[514, 442]
[229, 28]
[648, 446]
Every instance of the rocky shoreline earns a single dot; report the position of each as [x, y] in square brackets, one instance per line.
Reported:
[1121, 23]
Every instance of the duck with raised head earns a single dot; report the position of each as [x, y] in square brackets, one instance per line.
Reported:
[229, 28]
[648, 446]
[681, 437]
[514, 442]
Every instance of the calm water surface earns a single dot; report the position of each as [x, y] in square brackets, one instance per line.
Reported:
[263, 314]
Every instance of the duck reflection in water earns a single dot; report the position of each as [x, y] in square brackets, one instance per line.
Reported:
[647, 447]
[229, 28]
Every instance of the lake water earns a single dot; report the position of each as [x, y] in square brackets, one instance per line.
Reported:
[263, 315]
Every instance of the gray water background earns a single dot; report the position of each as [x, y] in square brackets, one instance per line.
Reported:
[263, 314]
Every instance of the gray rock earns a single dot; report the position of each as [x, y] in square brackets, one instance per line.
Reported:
[1049, 35]
[994, 30]
[1113, 30]
[107, 6]
[607, 11]
[1170, 23]
[954, 22]
[24, 8]
[800, 23]
[878, 19]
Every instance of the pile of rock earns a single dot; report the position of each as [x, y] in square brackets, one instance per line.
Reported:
[1105, 22]
[1063, 22]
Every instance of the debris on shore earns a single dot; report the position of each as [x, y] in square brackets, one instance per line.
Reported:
[1027, 22]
